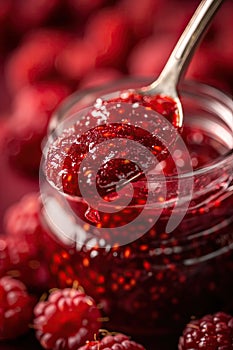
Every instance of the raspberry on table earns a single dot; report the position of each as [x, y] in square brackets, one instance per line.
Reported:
[211, 332]
[66, 320]
[15, 253]
[19, 259]
[32, 108]
[22, 252]
[113, 342]
[22, 218]
[16, 308]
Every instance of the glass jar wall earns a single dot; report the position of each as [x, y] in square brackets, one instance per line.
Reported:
[151, 286]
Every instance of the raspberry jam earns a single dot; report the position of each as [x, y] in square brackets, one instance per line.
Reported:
[82, 140]
[153, 283]
[164, 105]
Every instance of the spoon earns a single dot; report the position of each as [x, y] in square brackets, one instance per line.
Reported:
[168, 80]
[177, 63]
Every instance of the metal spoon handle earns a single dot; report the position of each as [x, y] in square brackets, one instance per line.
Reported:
[183, 51]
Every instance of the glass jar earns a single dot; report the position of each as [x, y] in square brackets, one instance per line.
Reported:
[153, 285]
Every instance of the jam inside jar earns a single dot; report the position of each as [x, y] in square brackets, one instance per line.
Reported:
[153, 285]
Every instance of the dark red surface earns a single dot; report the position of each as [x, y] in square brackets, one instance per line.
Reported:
[27, 342]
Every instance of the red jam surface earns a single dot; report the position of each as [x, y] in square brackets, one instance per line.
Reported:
[157, 282]
[116, 168]
[111, 172]
[162, 104]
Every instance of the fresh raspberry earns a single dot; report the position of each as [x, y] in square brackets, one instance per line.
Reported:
[19, 259]
[5, 8]
[100, 76]
[211, 332]
[83, 8]
[22, 252]
[66, 320]
[34, 60]
[32, 109]
[16, 308]
[141, 15]
[210, 63]
[76, 59]
[31, 14]
[15, 255]
[147, 58]
[3, 129]
[108, 32]
[113, 342]
[5, 11]
[22, 219]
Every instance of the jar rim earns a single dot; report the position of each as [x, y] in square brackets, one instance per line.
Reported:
[185, 86]
[218, 163]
